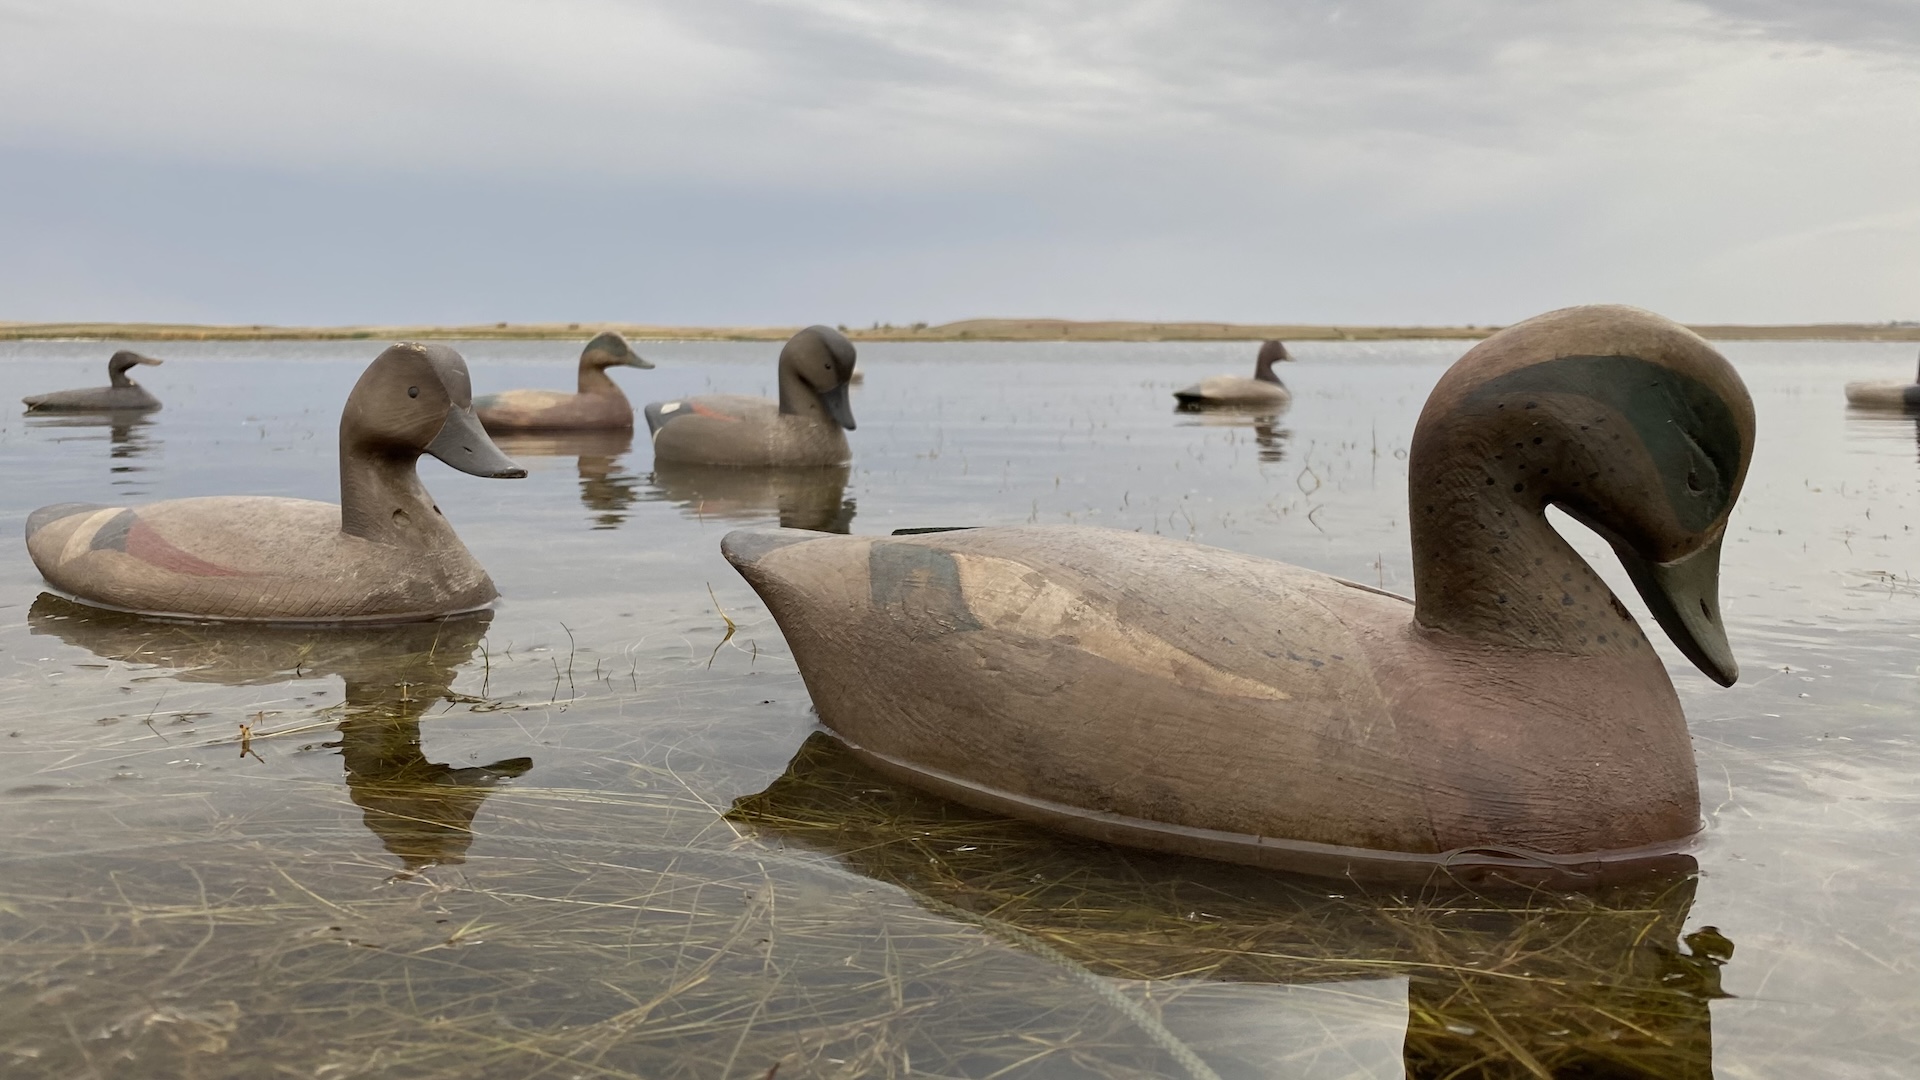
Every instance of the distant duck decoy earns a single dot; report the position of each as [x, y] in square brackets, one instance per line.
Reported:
[123, 395]
[1884, 395]
[1148, 691]
[599, 404]
[384, 554]
[806, 427]
[1265, 388]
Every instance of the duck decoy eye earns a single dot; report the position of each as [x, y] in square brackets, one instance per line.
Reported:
[413, 391]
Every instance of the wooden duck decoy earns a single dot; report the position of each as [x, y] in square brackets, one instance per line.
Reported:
[1147, 691]
[122, 395]
[384, 554]
[1884, 395]
[806, 427]
[599, 404]
[1265, 388]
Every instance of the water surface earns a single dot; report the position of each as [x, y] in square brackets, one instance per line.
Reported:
[591, 834]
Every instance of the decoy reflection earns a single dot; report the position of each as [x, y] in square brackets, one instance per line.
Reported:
[1269, 436]
[1526, 983]
[421, 810]
[814, 499]
[129, 436]
[606, 487]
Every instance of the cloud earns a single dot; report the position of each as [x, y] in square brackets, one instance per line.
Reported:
[1455, 160]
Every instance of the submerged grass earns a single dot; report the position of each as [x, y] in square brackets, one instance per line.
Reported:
[432, 920]
[831, 925]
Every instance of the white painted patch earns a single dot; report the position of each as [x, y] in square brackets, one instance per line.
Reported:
[81, 538]
[1013, 598]
[671, 406]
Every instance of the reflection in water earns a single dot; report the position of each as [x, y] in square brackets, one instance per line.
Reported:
[606, 487]
[813, 499]
[1535, 983]
[128, 436]
[421, 810]
[1268, 435]
[1887, 421]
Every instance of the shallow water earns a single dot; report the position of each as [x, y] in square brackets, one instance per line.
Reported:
[592, 835]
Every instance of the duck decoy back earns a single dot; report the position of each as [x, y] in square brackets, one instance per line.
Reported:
[597, 406]
[122, 393]
[1169, 695]
[385, 553]
[1884, 395]
[1264, 389]
[806, 427]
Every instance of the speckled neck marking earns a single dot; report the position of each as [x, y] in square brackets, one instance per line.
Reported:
[1665, 408]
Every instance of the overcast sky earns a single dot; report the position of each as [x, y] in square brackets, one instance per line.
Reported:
[787, 161]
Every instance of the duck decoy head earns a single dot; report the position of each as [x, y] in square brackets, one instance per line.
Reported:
[417, 399]
[610, 349]
[123, 361]
[1271, 353]
[1631, 424]
[823, 359]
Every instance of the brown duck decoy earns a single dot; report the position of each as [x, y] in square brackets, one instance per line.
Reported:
[123, 395]
[1884, 395]
[599, 405]
[1265, 388]
[384, 554]
[1142, 690]
[806, 427]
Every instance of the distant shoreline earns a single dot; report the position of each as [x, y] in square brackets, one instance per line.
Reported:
[967, 330]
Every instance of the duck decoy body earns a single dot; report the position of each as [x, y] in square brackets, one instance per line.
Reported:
[806, 427]
[1884, 395]
[599, 404]
[384, 554]
[122, 394]
[1147, 691]
[1264, 388]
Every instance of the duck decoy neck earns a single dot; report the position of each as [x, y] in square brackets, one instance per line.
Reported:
[604, 351]
[123, 361]
[413, 399]
[1629, 423]
[1271, 353]
[382, 499]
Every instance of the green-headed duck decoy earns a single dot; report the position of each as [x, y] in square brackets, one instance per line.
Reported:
[1884, 395]
[384, 554]
[1264, 388]
[807, 426]
[123, 394]
[598, 405]
[1148, 691]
